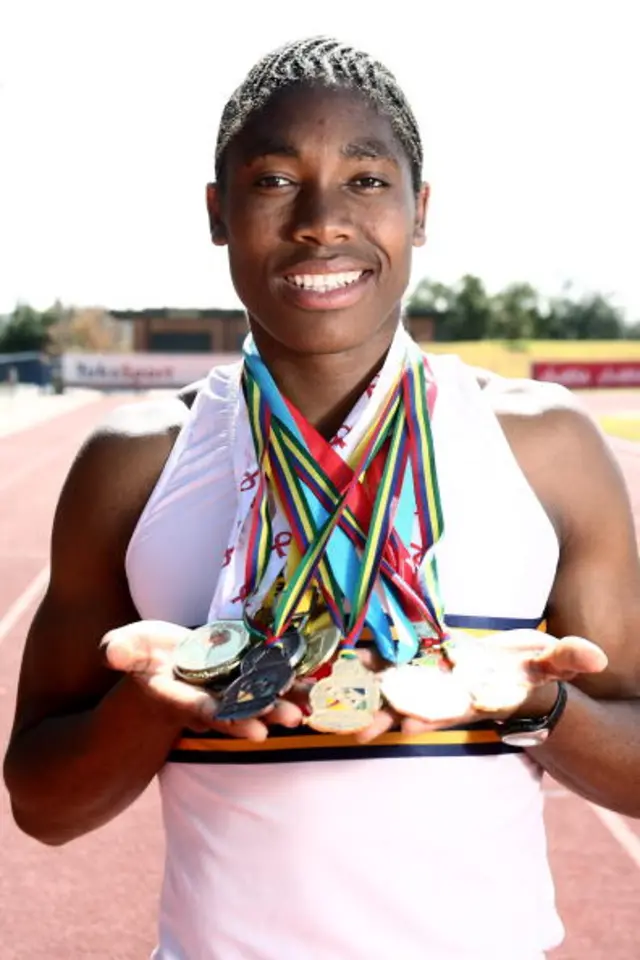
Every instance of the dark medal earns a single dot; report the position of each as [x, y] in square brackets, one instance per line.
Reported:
[290, 647]
[255, 690]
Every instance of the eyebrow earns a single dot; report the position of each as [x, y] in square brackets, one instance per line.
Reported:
[366, 149]
[269, 147]
[369, 149]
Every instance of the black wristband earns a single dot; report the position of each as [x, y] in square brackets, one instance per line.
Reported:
[532, 732]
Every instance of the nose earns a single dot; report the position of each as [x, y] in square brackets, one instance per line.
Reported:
[321, 218]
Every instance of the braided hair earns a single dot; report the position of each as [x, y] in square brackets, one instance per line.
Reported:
[328, 63]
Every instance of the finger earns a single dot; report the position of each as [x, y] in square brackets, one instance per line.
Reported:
[182, 697]
[137, 647]
[569, 657]
[298, 694]
[251, 729]
[371, 659]
[382, 722]
[284, 714]
[412, 727]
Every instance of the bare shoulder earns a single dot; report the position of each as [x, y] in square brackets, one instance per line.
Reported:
[558, 444]
[523, 397]
[109, 483]
[536, 411]
[105, 491]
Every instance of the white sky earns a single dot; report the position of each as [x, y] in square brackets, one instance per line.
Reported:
[109, 110]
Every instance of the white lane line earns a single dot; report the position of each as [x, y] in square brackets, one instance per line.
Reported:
[618, 829]
[26, 599]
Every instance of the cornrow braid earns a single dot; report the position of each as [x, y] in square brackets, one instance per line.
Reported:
[327, 62]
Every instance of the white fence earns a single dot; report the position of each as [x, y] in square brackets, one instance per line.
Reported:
[138, 371]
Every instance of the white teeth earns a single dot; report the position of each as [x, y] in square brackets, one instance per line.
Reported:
[324, 281]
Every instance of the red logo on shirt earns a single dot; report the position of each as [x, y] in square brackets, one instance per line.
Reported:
[338, 440]
[372, 385]
[281, 541]
[249, 480]
[242, 594]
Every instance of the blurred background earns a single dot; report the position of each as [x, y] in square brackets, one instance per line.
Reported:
[109, 287]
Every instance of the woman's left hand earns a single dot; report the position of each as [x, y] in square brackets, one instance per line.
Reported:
[495, 677]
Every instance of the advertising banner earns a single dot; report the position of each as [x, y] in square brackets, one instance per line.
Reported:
[138, 371]
[578, 375]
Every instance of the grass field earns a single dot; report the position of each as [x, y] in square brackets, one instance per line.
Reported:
[515, 361]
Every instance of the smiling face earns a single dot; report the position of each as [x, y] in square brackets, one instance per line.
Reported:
[319, 212]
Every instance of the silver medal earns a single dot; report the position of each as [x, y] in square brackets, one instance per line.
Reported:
[211, 651]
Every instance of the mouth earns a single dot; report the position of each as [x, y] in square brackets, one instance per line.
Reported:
[323, 282]
[326, 291]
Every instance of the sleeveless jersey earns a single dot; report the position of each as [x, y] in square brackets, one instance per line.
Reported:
[310, 847]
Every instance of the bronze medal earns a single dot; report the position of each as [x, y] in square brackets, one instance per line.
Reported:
[347, 700]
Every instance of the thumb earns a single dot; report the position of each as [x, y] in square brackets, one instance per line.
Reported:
[136, 647]
[569, 657]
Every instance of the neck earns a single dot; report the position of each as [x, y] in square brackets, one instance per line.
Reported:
[324, 387]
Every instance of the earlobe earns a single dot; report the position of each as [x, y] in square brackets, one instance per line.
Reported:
[419, 227]
[216, 224]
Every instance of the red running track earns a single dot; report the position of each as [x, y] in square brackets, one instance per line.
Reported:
[96, 898]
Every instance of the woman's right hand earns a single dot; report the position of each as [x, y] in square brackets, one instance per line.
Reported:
[145, 651]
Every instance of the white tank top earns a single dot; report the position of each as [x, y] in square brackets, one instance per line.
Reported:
[310, 847]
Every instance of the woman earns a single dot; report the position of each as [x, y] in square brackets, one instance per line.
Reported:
[419, 834]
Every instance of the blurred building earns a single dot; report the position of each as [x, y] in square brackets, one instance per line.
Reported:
[171, 330]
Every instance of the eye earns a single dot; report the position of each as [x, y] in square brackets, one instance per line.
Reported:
[273, 181]
[370, 183]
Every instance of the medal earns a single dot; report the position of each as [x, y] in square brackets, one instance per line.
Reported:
[347, 700]
[290, 648]
[492, 674]
[321, 646]
[426, 689]
[211, 651]
[256, 690]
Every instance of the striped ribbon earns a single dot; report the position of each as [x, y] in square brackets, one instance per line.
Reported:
[323, 487]
[310, 541]
[292, 471]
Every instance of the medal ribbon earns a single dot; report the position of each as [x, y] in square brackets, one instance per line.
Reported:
[342, 556]
[329, 495]
[397, 565]
[285, 482]
[289, 462]
[311, 543]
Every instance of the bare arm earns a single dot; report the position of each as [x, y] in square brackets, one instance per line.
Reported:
[98, 706]
[87, 741]
[595, 749]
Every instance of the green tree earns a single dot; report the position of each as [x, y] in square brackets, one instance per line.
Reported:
[592, 317]
[515, 314]
[463, 311]
[473, 308]
[28, 329]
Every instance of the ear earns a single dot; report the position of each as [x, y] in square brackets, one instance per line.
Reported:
[422, 204]
[216, 224]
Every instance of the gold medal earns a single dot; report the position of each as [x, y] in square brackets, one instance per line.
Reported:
[493, 668]
[321, 646]
[347, 700]
[426, 689]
